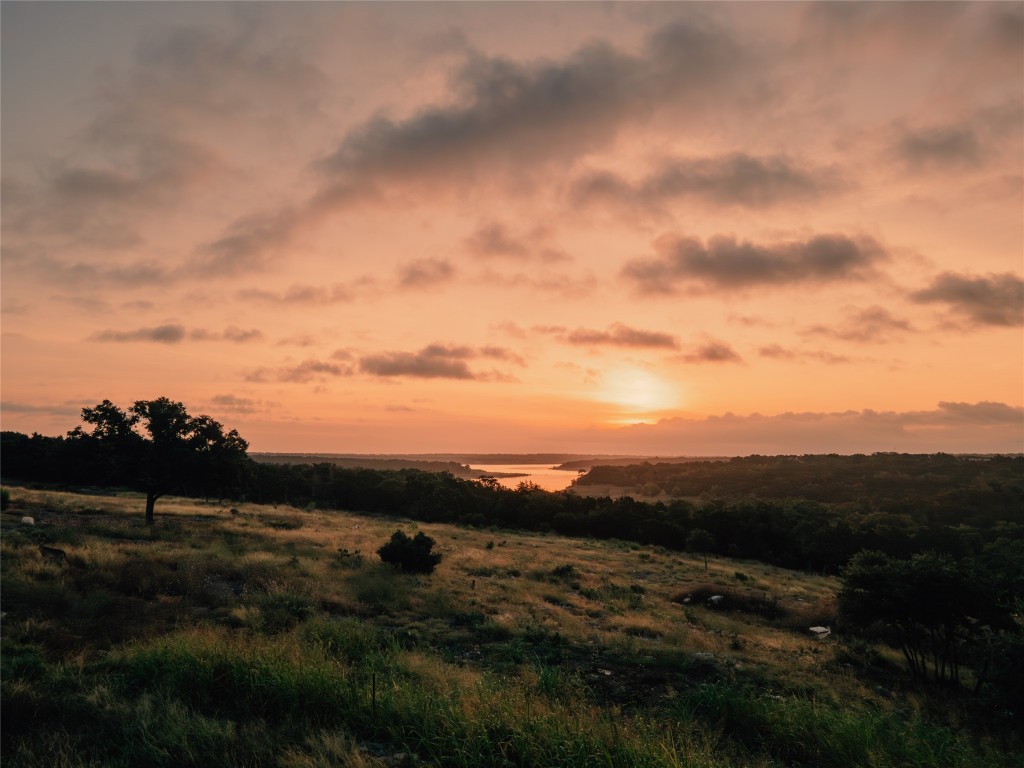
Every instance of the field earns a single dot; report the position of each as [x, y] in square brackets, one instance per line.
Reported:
[271, 636]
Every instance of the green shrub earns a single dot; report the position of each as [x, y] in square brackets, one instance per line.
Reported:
[410, 555]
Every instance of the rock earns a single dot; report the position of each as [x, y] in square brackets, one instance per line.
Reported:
[715, 599]
[26, 520]
[821, 631]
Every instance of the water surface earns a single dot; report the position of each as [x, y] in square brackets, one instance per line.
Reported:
[542, 474]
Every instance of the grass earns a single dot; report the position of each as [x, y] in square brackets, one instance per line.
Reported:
[237, 639]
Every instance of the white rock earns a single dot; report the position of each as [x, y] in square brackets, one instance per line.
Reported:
[27, 520]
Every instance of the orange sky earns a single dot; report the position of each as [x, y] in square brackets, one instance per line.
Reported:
[650, 228]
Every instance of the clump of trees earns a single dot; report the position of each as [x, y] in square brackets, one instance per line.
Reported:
[944, 614]
[411, 555]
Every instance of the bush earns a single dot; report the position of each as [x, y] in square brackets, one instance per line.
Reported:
[5, 499]
[410, 555]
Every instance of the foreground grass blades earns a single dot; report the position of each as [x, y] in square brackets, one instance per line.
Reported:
[240, 643]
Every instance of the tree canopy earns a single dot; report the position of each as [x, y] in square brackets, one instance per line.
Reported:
[942, 612]
[158, 447]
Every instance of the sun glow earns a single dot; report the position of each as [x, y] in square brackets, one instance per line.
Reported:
[637, 391]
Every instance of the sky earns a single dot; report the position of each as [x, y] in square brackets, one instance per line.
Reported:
[665, 229]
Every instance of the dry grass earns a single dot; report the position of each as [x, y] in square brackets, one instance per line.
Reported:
[557, 643]
[614, 593]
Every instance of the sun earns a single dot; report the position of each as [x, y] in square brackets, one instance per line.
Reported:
[637, 391]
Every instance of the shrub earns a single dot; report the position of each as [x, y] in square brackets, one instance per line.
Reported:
[5, 499]
[410, 555]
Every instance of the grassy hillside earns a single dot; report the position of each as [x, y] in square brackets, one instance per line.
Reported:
[265, 636]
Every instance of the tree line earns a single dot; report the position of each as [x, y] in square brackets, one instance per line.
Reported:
[930, 548]
[157, 447]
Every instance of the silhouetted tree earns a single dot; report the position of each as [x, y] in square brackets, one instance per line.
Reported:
[701, 542]
[157, 447]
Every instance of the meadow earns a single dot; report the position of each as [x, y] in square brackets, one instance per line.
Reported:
[261, 635]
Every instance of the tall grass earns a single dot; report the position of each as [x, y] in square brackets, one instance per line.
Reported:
[204, 645]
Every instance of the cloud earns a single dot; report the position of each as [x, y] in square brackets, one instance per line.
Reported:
[496, 240]
[173, 333]
[301, 373]
[736, 179]
[940, 148]
[874, 324]
[161, 334]
[726, 264]
[619, 335]
[76, 274]
[437, 361]
[235, 404]
[777, 352]
[991, 300]
[510, 114]
[504, 118]
[501, 353]
[559, 283]
[712, 352]
[878, 27]
[242, 336]
[425, 273]
[981, 427]
[8, 406]
[247, 244]
[300, 294]
[147, 146]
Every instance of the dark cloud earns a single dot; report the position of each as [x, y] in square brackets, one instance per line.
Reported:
[517, 114]
[161, 168]
[736, 179]
[941, 148]
[724, 263]
[425, 272]
[437, 361]
[511, 117]
[991, 300]
[162, 334]
[429, 363]
[874, 324]
[712, 352]
[954, 427]
[173, 333]
[619, 335]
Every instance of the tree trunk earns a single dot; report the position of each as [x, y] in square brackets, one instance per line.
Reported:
[151, 497]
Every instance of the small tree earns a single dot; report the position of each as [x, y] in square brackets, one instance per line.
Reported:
[413, 555]
[157, 447]
[700, 541]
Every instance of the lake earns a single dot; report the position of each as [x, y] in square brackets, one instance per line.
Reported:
[542, 474]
